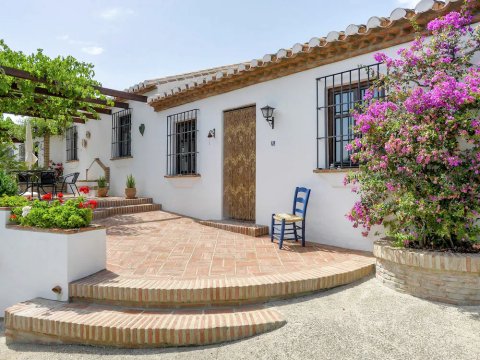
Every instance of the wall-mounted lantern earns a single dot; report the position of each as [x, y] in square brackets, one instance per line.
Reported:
[267, 112]
[211, 134]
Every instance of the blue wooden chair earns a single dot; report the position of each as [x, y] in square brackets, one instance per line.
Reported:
[286, 224]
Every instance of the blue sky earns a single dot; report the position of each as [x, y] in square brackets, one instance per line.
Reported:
[130, 41]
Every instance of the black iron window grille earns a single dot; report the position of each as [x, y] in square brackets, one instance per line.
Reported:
[21, 152]
[182, 154]
[71, 136]
[122, 134]
[337, 96]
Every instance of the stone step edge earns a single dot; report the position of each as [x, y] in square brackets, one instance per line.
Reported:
[128, 209]
[151, 293]
[106, 202]
[256, 230]
[52, 322]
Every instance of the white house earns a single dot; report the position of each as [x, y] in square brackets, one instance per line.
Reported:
[207, 151]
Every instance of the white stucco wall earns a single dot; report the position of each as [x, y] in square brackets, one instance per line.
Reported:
[280, 168]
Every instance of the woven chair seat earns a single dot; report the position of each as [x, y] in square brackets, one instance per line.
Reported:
[289, 218]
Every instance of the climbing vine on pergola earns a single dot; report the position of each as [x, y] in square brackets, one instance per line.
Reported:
[60, 90]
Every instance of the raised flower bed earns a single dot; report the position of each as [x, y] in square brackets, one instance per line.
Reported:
[440, 276]
[44, 245]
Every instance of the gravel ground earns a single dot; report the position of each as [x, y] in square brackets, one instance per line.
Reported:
[361, 321]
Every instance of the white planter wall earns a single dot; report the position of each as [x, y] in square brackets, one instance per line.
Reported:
[34, 262]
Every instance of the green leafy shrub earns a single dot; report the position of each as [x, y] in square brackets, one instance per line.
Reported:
[130, 182]
[71, 214]
[8, 185]
[13, 201]
[418, 149]
[102, 182]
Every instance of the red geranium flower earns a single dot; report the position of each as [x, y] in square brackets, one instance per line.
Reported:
[92, 203]
[13, 217]
[84, 189]
[47, 197]
[80, 205]
[60, 195]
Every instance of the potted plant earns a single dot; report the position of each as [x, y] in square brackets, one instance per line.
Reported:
[102, 188]
[130, 190]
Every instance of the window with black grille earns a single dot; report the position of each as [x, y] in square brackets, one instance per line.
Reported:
[21, 152]
[71, 140]
[337, 95]
[122, 134]
[182, 143]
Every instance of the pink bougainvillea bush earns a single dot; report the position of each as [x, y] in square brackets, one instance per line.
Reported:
[419, 147]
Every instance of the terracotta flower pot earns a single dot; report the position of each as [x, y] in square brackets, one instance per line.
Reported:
[102, 192]
[130, 193]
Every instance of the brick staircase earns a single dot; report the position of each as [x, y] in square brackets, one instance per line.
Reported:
[136, 312]
[118, 206]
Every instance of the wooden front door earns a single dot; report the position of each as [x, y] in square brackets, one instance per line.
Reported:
[239, 161]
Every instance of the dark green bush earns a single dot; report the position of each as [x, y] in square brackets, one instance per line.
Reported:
[8, 185]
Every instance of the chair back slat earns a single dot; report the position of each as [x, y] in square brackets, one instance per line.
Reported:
[47, 178]
[300, 201]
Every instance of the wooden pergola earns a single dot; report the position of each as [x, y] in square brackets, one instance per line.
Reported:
[100, 106]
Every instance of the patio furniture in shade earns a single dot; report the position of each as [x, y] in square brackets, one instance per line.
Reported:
[286, 224]
[46, 179]
[24, 180]
[71, 181]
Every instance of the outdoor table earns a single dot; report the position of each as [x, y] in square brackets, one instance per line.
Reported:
[35, 175]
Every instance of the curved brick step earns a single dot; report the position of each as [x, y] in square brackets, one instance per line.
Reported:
[102, 213]
[52, 322]
[108, 288]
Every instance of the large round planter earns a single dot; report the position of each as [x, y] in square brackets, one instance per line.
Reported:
[102, 192]
[452, 278]
[130, 193]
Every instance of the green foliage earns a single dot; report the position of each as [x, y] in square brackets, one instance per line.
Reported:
[8, 185]
[70, 215]
[102, 182]
[130, 182]
[68, 79]
[13, 201]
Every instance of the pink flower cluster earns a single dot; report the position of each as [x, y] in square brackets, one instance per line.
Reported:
[375, 114]
[445, 93]
[453, 20]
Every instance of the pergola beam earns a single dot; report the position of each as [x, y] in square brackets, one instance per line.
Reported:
[21, 74]
[43, 91]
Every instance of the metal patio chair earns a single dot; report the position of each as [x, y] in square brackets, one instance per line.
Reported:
[71, 181]
[46, 179]
[24, 180]
[286, 224]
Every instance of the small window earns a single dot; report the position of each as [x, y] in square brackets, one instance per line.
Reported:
[182, 143]
[71, 136]
[337, 96]
[21, 152]
[122, 134]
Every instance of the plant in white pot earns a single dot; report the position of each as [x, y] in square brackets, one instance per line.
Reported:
[130, 190]
[102, 188]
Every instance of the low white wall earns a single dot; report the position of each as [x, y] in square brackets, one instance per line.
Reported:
[34, 262]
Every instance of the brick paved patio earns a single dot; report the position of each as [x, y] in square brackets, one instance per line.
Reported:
[168, 246]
